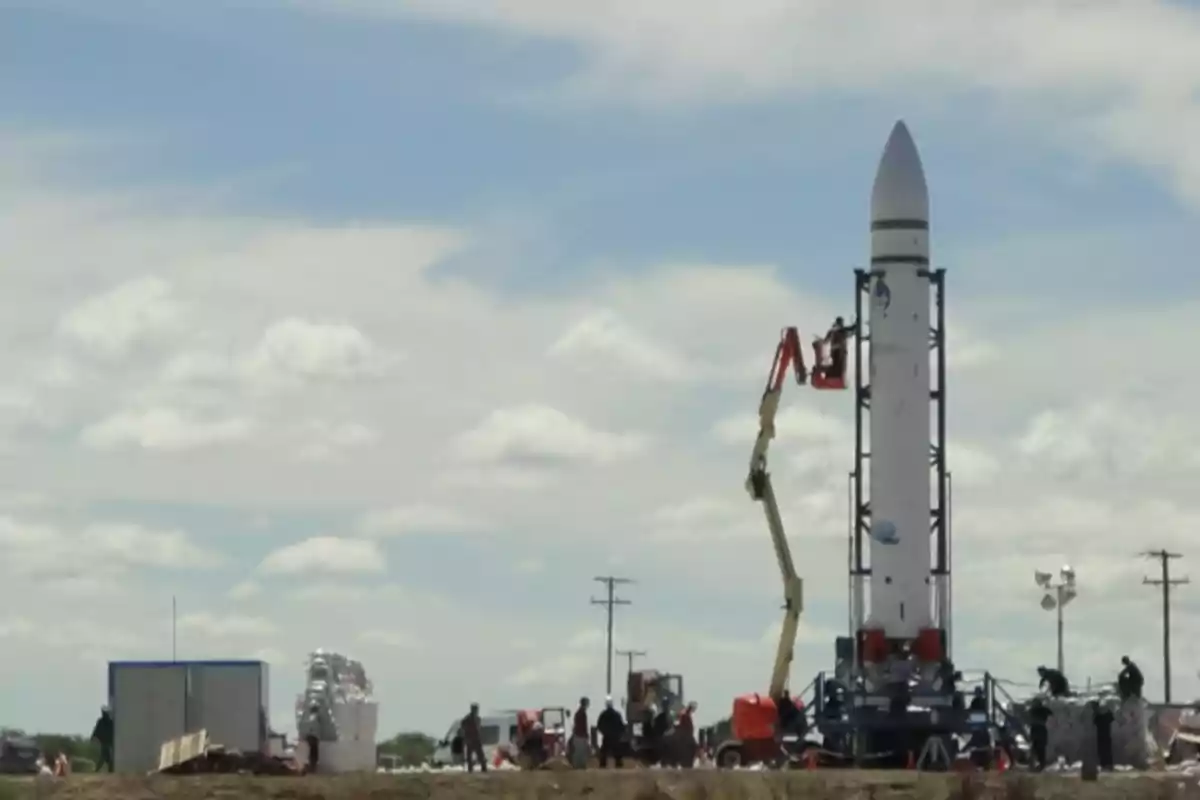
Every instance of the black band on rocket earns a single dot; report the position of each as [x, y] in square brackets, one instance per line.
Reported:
[900, 225]
[900, 260]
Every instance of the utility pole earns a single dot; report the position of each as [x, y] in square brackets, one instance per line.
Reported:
[631, 655]
[611, 602]
[1166, 582]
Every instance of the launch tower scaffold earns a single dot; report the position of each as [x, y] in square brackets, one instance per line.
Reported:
[939, 510]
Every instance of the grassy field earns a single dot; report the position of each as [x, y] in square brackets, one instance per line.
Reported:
[624, 785]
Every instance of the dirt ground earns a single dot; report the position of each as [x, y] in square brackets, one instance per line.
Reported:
[613, 785]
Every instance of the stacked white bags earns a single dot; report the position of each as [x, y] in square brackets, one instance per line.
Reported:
[1071, 729]
[347, 714]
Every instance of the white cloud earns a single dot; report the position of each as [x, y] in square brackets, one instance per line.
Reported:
[539, 434]
[226, 627]
[529, 566]
[324, 440]
[303, 349]
[244, 591]
[325, 554]
[138, 546]
[99, 549]
[163, 429]
[798, 423]
[704, 517]
[1103, 438]
[390, 638]
[1074, 72]
[1051, 465]
[417, 518]
[290, 353]
[972, 466]
[111, 324]
[604, 334]
[15, 627]
[24, 500]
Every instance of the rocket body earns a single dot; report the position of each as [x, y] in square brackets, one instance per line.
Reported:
[899, 320]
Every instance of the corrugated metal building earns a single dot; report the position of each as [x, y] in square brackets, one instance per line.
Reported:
[153, 701]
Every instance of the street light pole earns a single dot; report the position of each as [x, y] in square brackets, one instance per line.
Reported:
[1059, 604]
[1057, 595]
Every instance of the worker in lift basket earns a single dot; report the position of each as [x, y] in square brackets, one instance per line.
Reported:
[838, 338]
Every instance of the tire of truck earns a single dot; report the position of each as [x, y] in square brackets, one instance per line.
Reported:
[728, 755]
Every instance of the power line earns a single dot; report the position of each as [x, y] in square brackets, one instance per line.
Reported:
[631, 655]
[1166, 582]
[611, 602]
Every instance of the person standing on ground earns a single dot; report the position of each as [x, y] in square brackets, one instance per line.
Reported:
[103, 734]
[685, 736]
[312, 738]
[580, 744]
[612, 734]
[473, 739]
[1102, 717]
[651, 746]
[1039, 736]
[667, 751]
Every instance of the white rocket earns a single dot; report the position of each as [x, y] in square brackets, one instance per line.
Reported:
[900, 477]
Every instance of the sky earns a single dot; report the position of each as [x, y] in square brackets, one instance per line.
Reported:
[386, 327]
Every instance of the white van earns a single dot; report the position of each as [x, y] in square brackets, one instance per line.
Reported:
[499, 730]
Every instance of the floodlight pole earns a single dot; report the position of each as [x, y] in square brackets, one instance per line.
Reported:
[1060, 593]
[1059, 596]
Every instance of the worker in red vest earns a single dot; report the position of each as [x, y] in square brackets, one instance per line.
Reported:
[685, 733]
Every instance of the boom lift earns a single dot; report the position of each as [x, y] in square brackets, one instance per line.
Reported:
[755, 716]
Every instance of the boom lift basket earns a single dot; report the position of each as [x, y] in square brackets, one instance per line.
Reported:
[822, 377]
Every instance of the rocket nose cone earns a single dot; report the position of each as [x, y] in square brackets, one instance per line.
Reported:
[900, 191]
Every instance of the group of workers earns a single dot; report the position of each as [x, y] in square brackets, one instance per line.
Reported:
[1130, 682]
[1053, 682]
[665, 739]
